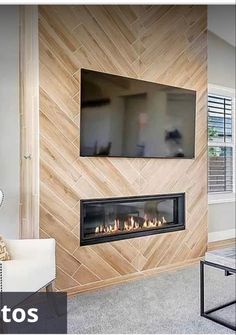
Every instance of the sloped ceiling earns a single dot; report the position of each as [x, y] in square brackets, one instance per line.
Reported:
[221, 22]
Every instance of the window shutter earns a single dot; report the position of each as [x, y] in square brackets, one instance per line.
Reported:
[220, 169]
[220, 118]
[220, 153]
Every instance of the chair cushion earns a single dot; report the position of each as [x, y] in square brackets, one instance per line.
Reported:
[4, 254]
[26, 275]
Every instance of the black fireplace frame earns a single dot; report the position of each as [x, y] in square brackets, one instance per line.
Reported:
[133, 234]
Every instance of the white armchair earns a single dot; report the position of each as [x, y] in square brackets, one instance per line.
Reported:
[32, 265]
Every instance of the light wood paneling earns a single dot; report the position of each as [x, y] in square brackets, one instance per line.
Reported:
[165, 44]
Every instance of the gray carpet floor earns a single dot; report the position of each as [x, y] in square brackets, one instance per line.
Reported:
[167, 303]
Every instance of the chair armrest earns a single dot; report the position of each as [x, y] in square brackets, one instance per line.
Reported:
[32, 249]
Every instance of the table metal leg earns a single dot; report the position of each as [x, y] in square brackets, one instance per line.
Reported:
[202, 293]
[227, 273]
[206, 314]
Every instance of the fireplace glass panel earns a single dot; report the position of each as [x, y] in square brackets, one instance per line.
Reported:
[114, 218]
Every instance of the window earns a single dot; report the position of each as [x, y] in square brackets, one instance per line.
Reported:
[220, 142]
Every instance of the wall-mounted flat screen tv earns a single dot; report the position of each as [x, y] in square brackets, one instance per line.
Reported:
[124, 117]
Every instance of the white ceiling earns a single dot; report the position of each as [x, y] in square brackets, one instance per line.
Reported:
[221, 22]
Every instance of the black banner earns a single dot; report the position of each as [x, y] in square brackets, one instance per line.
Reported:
[33, 313]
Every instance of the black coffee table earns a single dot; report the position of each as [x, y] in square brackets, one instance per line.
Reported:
[223, 259]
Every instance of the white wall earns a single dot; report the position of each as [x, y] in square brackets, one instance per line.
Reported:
[221, 221]
[221, 62]
[221, 72]
[9, 120]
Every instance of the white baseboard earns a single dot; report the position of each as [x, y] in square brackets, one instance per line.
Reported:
[221, 235]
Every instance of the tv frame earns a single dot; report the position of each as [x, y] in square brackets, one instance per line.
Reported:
[132, 157]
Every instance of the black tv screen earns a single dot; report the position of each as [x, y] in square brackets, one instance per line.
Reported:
[124, 117]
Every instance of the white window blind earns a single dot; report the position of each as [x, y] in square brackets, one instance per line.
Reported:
[220, 149]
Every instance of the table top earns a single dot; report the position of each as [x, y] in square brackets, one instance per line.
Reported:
[224, 256]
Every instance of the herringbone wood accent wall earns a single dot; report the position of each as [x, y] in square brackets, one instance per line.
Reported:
[165, 44]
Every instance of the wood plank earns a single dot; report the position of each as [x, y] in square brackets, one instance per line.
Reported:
[57, 208]
[113, 257]
[97, 265]
[106, 21]
[57, 162]
[55, 229]
[63, 281]
[57, 70]
[220, 244]
[58, 94]
[64, 34]
[84, 276]
[56, 138]
[68, 17]
[48, 36]
[125, 249]
[57, 185]
[66, 261]
[102, 45]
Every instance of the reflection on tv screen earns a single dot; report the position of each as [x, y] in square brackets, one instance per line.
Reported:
[123, 117]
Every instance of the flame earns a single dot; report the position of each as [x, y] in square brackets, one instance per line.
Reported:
[136, 225]
[130, 224]
[163, 219]
[126, 225]
[116, 225]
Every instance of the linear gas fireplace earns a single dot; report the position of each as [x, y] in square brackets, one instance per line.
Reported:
[104, 220]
